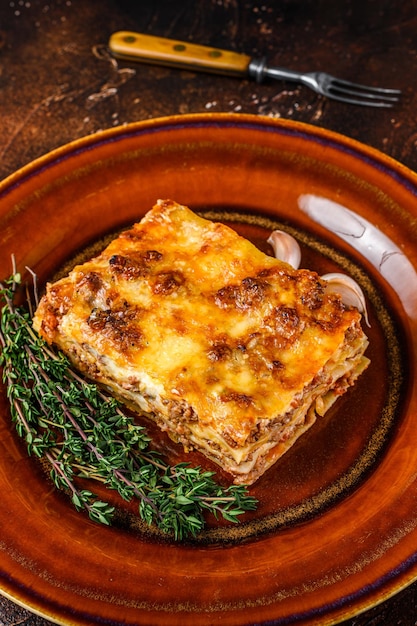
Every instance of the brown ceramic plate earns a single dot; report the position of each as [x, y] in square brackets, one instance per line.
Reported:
[336, 528]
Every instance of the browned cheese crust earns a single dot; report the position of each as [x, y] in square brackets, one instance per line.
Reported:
[231, 351]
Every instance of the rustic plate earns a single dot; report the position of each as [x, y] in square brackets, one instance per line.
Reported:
[336, 528]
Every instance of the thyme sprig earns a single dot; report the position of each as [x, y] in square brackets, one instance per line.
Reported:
[83, 433]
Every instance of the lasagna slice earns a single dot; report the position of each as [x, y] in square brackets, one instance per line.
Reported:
[231, 351]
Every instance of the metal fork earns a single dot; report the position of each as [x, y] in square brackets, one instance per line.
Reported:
[170, 52]
[327, 85]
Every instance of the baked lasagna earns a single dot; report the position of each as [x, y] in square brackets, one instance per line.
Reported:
[231, 351]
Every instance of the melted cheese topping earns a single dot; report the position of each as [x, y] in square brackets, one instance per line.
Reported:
[179, 309]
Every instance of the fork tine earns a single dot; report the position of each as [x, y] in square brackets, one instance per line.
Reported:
[373, 93]
[366, 103]
[358, 87]
[355, 93]
[372, 99]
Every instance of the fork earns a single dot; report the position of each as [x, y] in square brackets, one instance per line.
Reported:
[327, 85]
[170, 52]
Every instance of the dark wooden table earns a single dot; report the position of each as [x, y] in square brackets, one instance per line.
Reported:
[58, 82]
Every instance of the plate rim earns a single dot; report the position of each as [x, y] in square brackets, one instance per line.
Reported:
[401, 173]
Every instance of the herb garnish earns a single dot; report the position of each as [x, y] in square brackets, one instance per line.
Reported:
[83, 433]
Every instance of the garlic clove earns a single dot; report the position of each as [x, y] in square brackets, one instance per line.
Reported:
[285, 248]
[349, 291]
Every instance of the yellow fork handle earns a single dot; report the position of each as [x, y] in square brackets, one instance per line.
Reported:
[170, 52]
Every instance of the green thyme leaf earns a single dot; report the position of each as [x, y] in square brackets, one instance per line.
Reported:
[83, 433]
